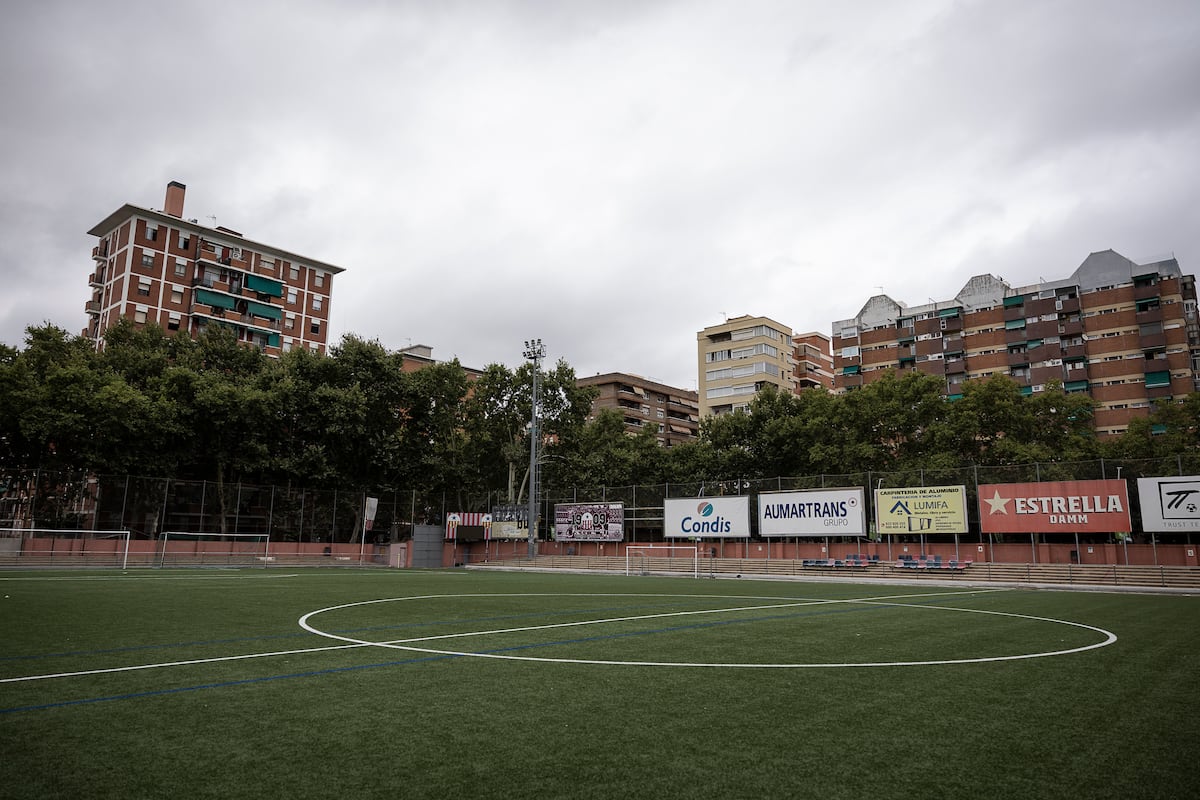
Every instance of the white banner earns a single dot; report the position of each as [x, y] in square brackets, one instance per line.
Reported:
[1170, 504]
[820, 512]
[707, 517]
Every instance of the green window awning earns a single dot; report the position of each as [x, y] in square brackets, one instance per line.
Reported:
[263, 310]
[263, 285]
[1014, 324]
[851, 370]
[949, 312]
[1156, 379]
[214, 299]
[1016, 300]
[1076, 386]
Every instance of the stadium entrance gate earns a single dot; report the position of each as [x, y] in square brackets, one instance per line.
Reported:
[427, 546]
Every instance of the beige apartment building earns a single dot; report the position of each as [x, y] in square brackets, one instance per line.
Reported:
[671, 412]
[737, 358]
[1124, 333]
[156, 266]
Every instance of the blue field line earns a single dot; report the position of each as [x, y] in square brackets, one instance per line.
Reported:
[824, 610]
[300, 634]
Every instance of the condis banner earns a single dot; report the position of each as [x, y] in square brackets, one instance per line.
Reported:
[1054, 507]
[921, 509]
[707, 517]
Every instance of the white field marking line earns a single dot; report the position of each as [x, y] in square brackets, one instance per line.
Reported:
[1109, 639]
[353, 644]
[183, 663]
[397, 642]
[128, 578]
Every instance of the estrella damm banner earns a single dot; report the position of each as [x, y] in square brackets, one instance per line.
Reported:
[921, 509]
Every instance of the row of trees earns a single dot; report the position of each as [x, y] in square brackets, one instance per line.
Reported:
[156, 405]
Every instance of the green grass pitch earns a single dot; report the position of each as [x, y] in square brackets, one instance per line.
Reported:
[257, 683]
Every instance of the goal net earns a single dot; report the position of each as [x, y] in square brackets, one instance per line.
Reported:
[651, 559]
[181, 549]
[55, 547]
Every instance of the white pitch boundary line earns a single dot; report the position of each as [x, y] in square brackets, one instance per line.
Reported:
[396, 644]
[405, 644]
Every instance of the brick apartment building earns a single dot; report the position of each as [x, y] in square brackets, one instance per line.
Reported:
[813, 355]
[1125, 333]
[672, 412]
[158, 267]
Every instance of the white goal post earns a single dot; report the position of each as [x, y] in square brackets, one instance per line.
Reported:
[190, 548]
[640, 555]
[63, 546]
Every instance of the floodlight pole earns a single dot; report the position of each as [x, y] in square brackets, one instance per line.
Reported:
[535, 351]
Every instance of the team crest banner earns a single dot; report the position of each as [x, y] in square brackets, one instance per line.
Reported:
[921, 509]
[575, 522]
[467, 519]
[1055, 507]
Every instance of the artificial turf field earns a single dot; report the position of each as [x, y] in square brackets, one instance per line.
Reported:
[271, 683]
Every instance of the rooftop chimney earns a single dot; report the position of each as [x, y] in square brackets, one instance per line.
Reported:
[173, 205]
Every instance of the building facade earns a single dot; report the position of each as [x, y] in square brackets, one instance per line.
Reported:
[1125, 333]
[739, 357]
[155, 266]
[813, 355]
[673, 413]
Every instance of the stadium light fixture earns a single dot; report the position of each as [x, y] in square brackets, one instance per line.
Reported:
[535, 351]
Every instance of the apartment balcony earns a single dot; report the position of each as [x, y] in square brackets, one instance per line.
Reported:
[1067, 305]
[1146, 291]
[1154, 314]
[1153, 340]
[96, 279]
[1074, 352]
[92, 307]
[100, 253]
[1070, 327]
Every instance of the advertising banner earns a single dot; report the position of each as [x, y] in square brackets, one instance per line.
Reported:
[467, 519]
[707, 517]
[1054, 507]
[1170, 504]
[921, 509]
[510, 522]
[575, 522]
[819, 512]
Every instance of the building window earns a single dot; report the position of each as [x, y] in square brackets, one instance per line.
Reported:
[177, 296]
[180, 268]
[317, 302]
[147, 259]
[319, 278]
[152, 233]
[294, 273]
[139, 315]
[173, 322]
[291, 297]
[290, 321]
[287, 346]
[315, 327]
[185, 241]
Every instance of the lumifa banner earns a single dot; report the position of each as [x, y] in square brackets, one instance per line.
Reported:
[921, 509]
[819, 512]
[1054, 507]
[1170, 504]
[706, 517]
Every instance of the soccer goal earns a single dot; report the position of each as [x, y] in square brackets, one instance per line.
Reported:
[183, 549]
[59, 547]
[647, 559]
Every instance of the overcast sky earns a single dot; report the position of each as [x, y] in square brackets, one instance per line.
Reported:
[609, 176]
